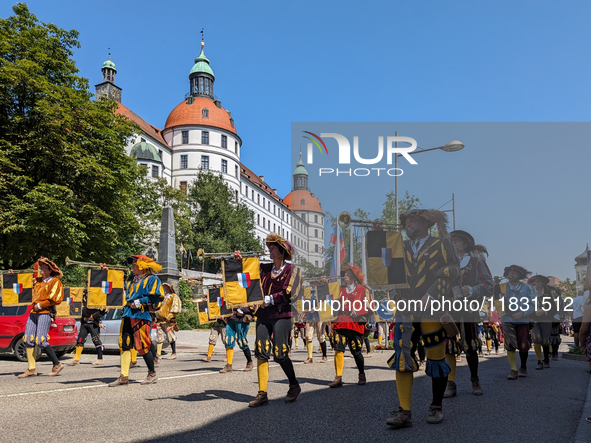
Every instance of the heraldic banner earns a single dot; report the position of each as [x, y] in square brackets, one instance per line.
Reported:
[17, 289]
[217, 306]
[242, 282]
[385, 260]
[71, 306]
[105, 289]
[203, 310]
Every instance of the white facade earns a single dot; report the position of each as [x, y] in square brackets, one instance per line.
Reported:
[202, 136]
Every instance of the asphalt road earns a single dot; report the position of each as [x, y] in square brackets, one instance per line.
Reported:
[192, 401]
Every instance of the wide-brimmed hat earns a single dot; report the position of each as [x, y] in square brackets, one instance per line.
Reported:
[431, 216]
[519, 269]
[144, 262]
[282, 243]
[170, 288]
[544, 279]
[55, 271]
[466, 237]
[470, 242]
[356, 270]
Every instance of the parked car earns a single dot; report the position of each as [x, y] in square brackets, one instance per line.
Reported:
[110, 333]
[13, 319]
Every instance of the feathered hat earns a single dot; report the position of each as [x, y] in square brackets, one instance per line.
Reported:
[519, 269]
[55, 271]
[144, 262]
[356, 270]
[431, 216]
[283, 244]
[469, 240]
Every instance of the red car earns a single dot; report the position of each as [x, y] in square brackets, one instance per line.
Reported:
[13, 319]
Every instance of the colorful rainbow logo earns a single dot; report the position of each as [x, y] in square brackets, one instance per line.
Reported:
[315, 142]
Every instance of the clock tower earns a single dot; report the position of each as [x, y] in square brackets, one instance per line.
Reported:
[108, 87]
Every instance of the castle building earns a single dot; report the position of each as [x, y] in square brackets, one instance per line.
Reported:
[200, 134]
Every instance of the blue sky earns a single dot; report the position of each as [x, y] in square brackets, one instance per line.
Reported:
[404, 61]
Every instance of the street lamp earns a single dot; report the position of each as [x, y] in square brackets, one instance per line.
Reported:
[452, 146]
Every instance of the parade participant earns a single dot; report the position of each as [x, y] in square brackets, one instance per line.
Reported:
[349, 327]
[541, 334]
[273, 324]
[166, 321]
[515, 320]
[237, 332]
[48, 292]
[380, 328]
[491, 329]
[477, 283]
[90, 323]
[142, 289]
[299, 328]
[218, 329]
[432, 271]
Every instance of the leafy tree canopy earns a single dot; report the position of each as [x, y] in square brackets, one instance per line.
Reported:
[67, 188]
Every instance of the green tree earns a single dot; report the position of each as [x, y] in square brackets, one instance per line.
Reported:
[218, 222]
[569, 288]
[404, 205]
[67, 188]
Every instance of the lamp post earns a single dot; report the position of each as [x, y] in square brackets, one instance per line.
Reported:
[452, 146]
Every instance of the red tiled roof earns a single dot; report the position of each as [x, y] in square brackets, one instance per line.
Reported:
[311, 202]
[185, 114]
[256, 180]
[149, 130]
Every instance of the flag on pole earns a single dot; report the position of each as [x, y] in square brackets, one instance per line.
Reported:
[203, 310]
[242, 282]
[105, 289]
[339, 254]
[17, 289]
[216, 306]
[73, 306]
[385, 259]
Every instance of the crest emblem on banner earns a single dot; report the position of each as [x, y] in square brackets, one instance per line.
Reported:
[107, 287]
[387, 256]
[244, 280]
[17, 288]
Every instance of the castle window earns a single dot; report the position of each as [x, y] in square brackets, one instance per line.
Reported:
[155, 171]
[205, 137]
[224, 142]
[205, 162]
[316, 250]
[225, 166]
[184, 161]
[236, 171]
[205, 113]
[259, 219]
[236, 148]
[184, 187]
[315, 218]
[185, 137]
[303, 201]
[315, 232]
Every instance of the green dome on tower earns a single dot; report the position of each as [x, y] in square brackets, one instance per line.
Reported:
[109, 64]
[202, 65]
[300, 168]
